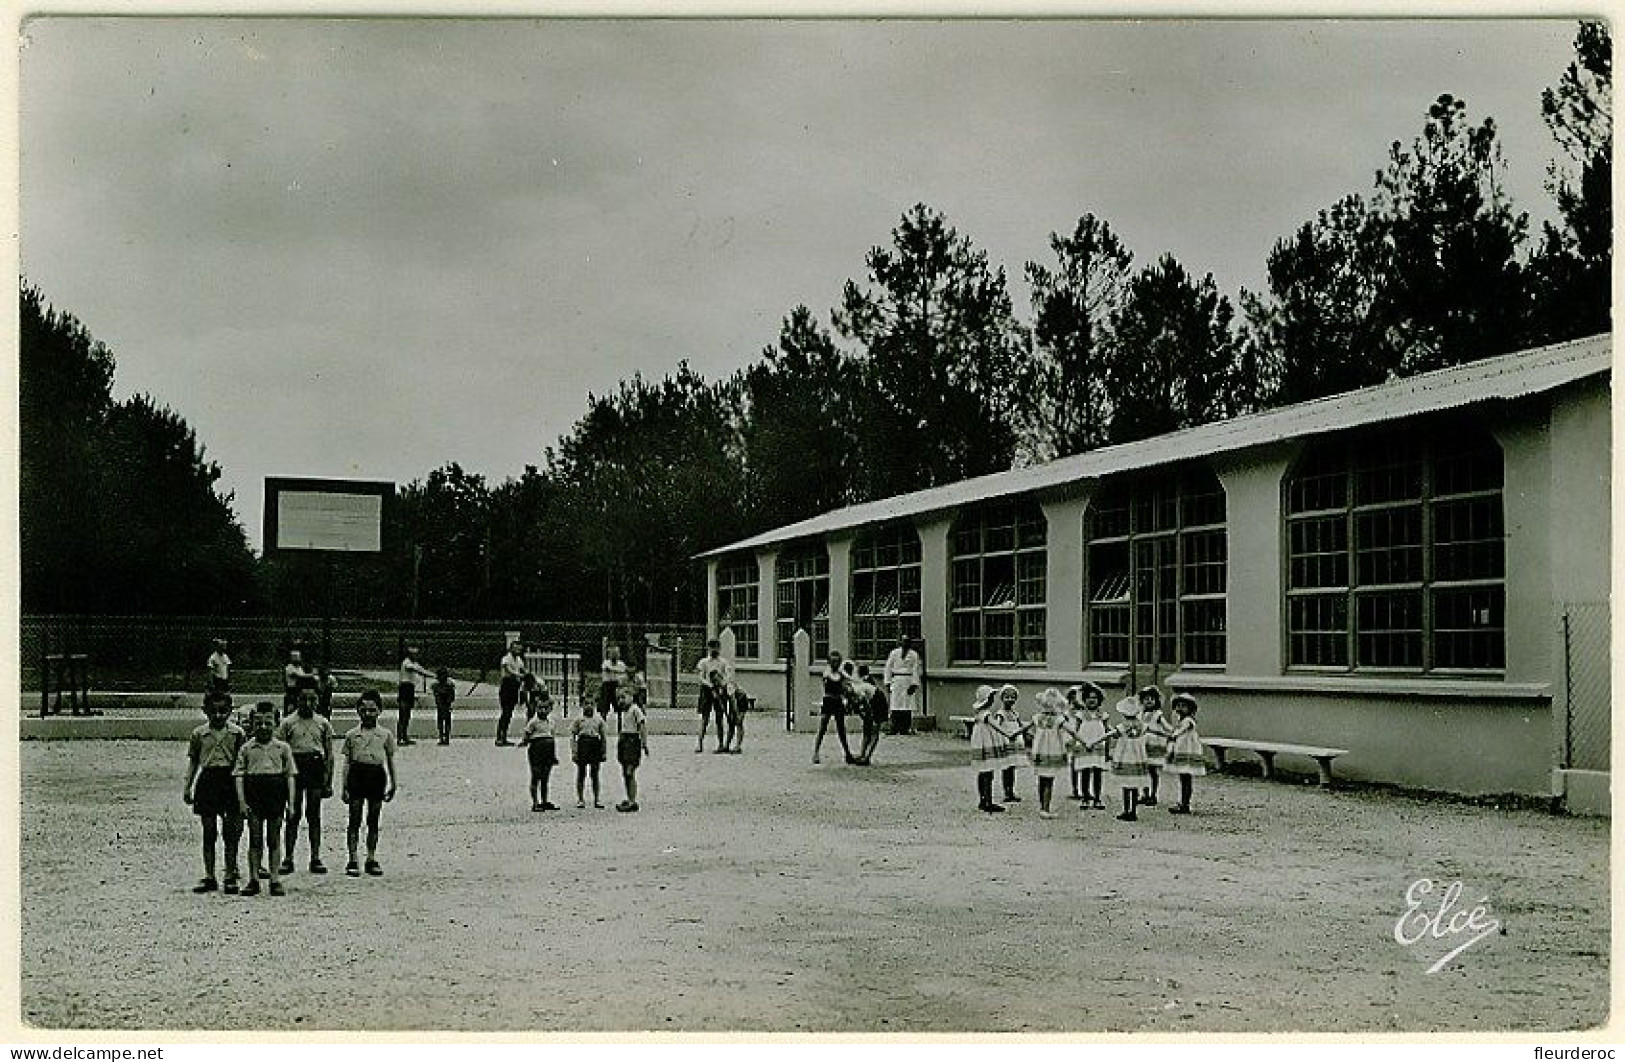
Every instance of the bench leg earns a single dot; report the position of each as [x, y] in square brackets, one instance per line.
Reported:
[1325, 763]
[1268, 760]
[1218, 758]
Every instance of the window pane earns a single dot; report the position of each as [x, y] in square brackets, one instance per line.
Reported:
[1204, 632]
[1469, 627]
[1318, 630]
[1204, 562]
[1468, 539]
[1318, 554]
[967, 636]
[1030, 579]
[1389, 629]
[999, 637]
[1387, 473]
[1388, 546]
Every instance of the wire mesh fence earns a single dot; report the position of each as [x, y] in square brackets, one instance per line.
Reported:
[1586, 689]
[168, 654]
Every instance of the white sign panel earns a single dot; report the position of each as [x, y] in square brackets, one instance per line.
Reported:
[331, 521]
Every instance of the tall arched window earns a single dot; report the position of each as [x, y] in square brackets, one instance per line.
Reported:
[803, 597]
[998, 585]
[1396, 553]
[885, 589]
[736, 603]
[1156, 554]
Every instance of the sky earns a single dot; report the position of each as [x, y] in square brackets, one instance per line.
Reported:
[366, 248]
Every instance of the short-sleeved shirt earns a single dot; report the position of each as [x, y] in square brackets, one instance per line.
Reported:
[613, 671]
[219, 665]
[592, 726]
[713, 666]
[368, 745]
[444, 693]
[409, 671]
[512, 665]
[216, 748]
[293, 674]
[273, 757]
[634, 719]
[306, 735]
[539, 726]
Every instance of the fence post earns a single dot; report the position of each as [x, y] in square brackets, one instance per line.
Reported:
[790, 687]
[676, 656]
[1568, 694]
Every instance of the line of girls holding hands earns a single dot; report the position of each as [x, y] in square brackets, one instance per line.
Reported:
[1074, 734]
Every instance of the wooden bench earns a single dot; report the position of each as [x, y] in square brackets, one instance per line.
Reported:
[964, 722]
[1268, 750]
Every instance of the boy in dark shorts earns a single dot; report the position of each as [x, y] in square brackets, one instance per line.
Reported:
[325, 685]
[541, 749]
[715, 675]
[445, 692]
[264, 775]
[211, 755]
[310, 738]
[631, 745]
[874, 707]
[369, 778]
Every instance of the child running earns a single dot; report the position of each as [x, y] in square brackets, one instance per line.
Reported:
[1089, 750]
[445, 694]
[631, 745]
[1185, 755]
[211, 754]
[874, 707]
[1048, 754]
[587, 750]
[1156, 741]
[542, 752]
[310, 738]
[1128, 756]
[369, 779]
[264, 776]
[988, 747]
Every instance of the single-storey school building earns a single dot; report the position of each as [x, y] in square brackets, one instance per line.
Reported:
[1416, 572]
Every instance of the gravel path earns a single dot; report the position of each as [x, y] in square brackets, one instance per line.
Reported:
[760, 892]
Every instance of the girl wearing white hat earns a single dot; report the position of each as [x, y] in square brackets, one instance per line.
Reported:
[1089, 748]
[1157, 733]
[1048, 753]
[1128, 756]
[988, 747]
[1007, 720]
[1185, 754]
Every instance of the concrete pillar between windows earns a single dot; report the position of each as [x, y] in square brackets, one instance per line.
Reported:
[1255, 610]
[935, 586]
[711, 616]
[840, 594]
[1063, 582]
[767, 634]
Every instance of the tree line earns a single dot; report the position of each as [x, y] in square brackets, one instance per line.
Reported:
[922, 375]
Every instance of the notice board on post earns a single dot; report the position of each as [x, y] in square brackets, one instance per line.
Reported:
[325, 515]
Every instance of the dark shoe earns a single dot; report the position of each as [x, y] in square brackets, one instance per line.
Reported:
[230, 887]
[624, 805]
[351, 869]
[1128, 816]
[263, 874]
[548, 805]
[286, 867]
[851, 758]
[206, 885]
[252, 888]
[1177, 810]
[1011, 798]
[536, 807]
[1150, 802]
[317, 867]
[598, 804]
[504, 742]
[374, 869]
[990, 808]
[276, 889]
[445, 741]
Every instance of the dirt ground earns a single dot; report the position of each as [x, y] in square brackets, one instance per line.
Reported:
[760, 892]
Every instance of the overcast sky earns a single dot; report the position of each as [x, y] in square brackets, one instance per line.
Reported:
[367, 248]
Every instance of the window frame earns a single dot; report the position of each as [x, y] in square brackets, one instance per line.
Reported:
[1027, 557]
[746, 628]
[1434, 446]
[1169, 491]
[818, 578]
[865, 562]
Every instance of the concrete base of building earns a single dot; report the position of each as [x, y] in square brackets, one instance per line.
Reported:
[1583, 792]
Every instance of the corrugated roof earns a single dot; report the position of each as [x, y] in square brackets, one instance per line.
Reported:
[1509, 376]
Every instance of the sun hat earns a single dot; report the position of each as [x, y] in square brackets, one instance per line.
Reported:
[983, 695]
[1129, 709]
[1186, 698]
[1087, 688]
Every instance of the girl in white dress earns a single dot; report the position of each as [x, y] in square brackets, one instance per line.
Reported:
[1007, 720]
[1089, 759]
[1185, 752]
[1157, 732]
[1048, 754]
[987, 747]
[1128, 756]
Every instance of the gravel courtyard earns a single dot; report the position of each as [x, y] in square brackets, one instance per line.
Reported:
[760, 892]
